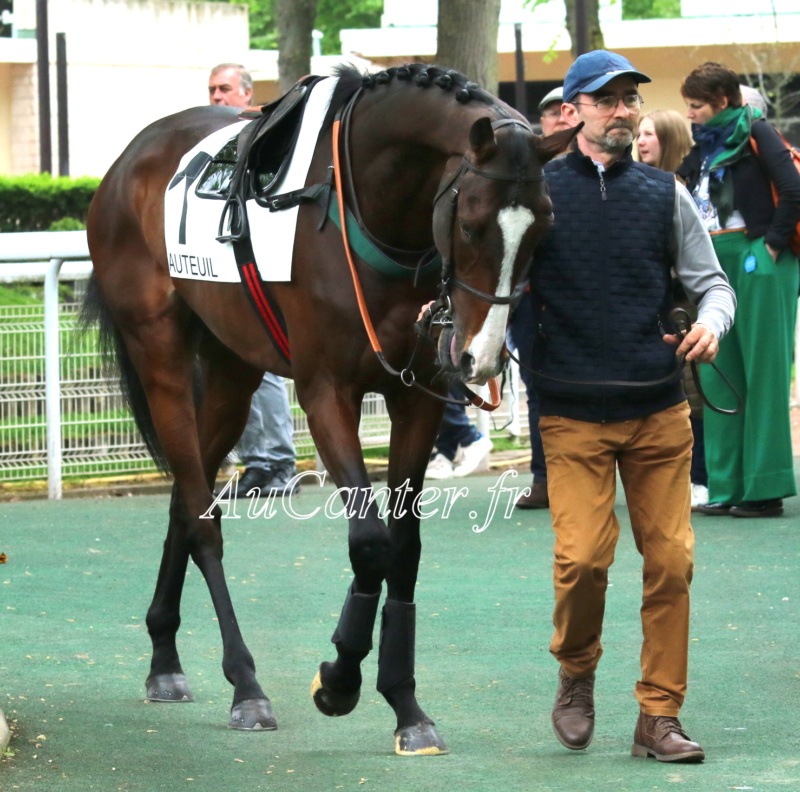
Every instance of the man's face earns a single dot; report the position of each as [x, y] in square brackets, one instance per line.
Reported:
[225, 88]
[612, 130]
[551, 119]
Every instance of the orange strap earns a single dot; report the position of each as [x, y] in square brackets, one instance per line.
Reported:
[494, 388]
[728, 231]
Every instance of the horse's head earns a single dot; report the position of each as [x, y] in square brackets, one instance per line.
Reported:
[491, 210]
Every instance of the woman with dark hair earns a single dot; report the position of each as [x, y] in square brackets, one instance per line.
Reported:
[748, 456]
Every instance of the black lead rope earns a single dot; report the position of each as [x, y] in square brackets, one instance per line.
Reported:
[680, 319]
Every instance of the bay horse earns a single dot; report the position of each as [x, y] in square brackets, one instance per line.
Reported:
[432, 161]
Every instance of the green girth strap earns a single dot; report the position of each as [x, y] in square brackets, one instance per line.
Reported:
[372, 255]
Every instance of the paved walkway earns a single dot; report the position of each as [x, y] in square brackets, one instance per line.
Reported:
[75, 652]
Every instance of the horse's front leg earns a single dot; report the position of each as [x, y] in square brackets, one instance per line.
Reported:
[409, 453]
[337, 686]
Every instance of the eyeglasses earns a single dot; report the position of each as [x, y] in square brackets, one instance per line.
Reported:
[607, 104]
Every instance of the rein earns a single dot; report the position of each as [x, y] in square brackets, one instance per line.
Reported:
[681, 320]
[406, 376]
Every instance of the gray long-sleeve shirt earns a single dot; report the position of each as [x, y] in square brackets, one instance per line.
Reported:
[698, 268]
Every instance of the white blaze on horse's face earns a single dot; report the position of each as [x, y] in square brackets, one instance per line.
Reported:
[485, 348]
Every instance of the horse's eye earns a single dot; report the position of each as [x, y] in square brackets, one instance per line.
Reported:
[467, 230]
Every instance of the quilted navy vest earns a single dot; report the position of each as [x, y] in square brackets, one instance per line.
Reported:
[600, 287]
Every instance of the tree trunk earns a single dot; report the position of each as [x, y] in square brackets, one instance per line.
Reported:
[590, 37]
[467, 39]
[294, 20]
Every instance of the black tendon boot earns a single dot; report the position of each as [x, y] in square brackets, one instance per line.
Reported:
[416, 734]
[337, 686]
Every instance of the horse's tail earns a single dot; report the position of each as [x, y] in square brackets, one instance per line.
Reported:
[94, 311]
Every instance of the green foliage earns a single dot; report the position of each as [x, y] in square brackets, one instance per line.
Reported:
[67, 224]
[332, 17]
[651, 9]
[634, 9]
[20, 294]
[36, 201]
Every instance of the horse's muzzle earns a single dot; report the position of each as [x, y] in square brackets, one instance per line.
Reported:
[463, 363]
[445, 349]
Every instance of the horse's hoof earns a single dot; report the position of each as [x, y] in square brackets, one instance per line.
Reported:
[331, 703]
[253, 715]
[168, 687]
[419, 740]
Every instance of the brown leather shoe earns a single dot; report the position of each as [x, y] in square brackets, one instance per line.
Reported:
[537, 499]
[664, 738]
[573, 712]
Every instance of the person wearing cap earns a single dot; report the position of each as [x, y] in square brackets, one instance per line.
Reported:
[550, 111]
[521, 334]
[610, 396]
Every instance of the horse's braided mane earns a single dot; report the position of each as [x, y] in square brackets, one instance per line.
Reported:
[420, 74]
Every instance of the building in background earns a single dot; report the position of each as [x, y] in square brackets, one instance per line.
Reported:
[745, 35]
[133, 61]
[130, 62]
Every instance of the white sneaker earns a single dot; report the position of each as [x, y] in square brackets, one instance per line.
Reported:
[440, 467]
[473, 456]
[699, 495]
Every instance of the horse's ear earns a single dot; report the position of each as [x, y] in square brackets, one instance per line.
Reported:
[481, 138]
[554, 144]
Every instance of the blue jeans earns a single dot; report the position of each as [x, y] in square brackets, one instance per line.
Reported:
[521, 331]
[455, 429]
[267, 439]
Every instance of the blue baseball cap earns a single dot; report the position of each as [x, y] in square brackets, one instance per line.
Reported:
[594, 69]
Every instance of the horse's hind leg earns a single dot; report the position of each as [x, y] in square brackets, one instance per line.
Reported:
[163, 355]
[229, 384]
[416, 733]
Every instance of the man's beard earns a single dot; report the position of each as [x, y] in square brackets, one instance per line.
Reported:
[618, 142]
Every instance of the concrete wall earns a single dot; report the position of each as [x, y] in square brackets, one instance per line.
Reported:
[130, 62]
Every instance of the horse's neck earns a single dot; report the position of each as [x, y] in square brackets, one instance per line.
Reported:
[426, 118]
[398, 155]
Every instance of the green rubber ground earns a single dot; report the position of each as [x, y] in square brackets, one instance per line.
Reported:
[74, 653]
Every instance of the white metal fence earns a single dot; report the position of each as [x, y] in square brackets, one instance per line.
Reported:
[98, 434]
[61, 411]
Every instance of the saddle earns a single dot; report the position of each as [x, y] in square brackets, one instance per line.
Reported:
[251, 164]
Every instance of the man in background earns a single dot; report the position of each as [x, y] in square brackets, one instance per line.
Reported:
[266, 448]
[521, 333]
[230, 84]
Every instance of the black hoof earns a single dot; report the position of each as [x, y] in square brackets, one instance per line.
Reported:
[253, 715]
[168, 687]
[329, 702]
[419, 740]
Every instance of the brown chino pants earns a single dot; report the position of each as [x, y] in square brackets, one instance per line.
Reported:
[654, 456]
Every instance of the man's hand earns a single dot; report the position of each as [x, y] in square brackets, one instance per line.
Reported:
[424, 309]
[699, 344]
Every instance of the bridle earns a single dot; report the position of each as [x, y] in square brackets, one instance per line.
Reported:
[450, 280]
[440, 312]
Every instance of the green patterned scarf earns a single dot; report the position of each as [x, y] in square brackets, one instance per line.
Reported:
[735, 146]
